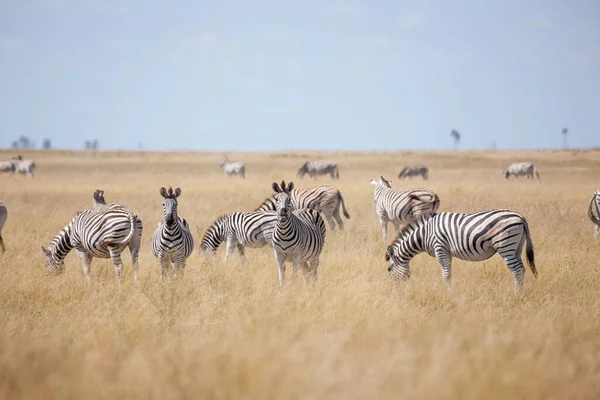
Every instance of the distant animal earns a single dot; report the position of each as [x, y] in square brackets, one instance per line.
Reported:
[325, 199]
[23, 167]
[594, 207]
[3, 217]
[93, 233]
[7, 166]
[469, 237]
[239, 230]
[315, 168]
[414, 170]
[521, 169]
[236, 168]
[298, 236]
[172, 242]
[401, 207]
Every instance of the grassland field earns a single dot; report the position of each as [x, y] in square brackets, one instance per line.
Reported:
[228, 331]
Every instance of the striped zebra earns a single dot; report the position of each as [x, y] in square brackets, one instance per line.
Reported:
[23, 167]
[521, 169]
[414, 170]
[315, 168]
[469, 237]
[401, 207]
[593, 207]
[298, 236]
[3, 217]
[93, 233]
[6, 167]
[235, 168]
[172, 242]
[324, 199]
[136, 241]
[239, 229]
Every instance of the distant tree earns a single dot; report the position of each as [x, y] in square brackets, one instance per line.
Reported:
[23, 143]
[47, 144]
[455, 137]
[565, 132]
[87, 144]
[95, 144]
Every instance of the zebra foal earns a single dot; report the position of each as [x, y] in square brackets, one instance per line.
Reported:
[324, 199]
[315, 168]
[593, 207]
[172, 242]
[414, 170]
[239, 230]
[521, 169]
[93, 233]
[469, 237]
[298, 236]
[401, 207]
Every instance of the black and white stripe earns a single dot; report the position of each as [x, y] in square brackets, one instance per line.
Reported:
[235, 168]
[239, 229]
[298, 236]
[414, 170]
[521, 169]
[319, 167]
[469, 237]
[172, 242]
[3, 217]
[401, 207]
[594, 208]
[324, 199]
[93, 233]
[23, 167]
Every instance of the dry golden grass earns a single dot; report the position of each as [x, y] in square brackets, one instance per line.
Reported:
[229, 331]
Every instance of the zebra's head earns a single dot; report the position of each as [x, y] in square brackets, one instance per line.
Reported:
[303, 170]
[170, 204]
[283, 203]
[54, 264]
[398, 267]
[223, 161]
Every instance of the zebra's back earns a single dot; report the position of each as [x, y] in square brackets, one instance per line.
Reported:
[407, 205]
[94, 231]
[250, 229]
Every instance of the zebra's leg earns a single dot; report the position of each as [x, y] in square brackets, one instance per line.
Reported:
[384, 223]
[2, 243]
[330, 221]
[165, 263]
[396, 226]
[242, 251]
[314, 266]
[134, 249]
[115, 254]
[179, 267]
[515, 265]
[596, 232]
[445, 260]
[86, 259]
[231, 245]
[338, 219]
[281, 262]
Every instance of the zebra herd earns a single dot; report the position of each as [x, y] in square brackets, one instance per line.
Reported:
[312, 168]
[17, 164]
[527, 169]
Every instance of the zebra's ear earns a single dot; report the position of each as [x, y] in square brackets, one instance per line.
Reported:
[275, 187]
[177, 192]
[290, 186]
[46, 251]
[163, 192]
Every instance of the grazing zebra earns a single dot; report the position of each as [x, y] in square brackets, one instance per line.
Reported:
[236, 168]
[594, 206]
[521, 169]
[324, 199]
[136, 241]
[93, 233]
[298, 235]
[7, 166]
[469, 237]
[239, 229]
[24, 167]
[314, 168]
[414, 170]
[172, 242]
[3, 217]
[401, 207]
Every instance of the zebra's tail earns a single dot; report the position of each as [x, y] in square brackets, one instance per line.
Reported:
[343, 206]
[132, 218]
[529, 249]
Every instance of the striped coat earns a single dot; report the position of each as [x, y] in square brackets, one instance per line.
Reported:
[298, 236]
[315, 168]
[470, 237]
[521, 169]
[92, 233]
[172, 242]
[594, 208]
[401, 207]
[414, 170]
[239, 230]
[324, 199]
[3, 217]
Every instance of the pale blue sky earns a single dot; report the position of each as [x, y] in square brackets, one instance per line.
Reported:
[269, 75]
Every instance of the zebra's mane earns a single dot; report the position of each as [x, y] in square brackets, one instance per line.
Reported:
[406, 230]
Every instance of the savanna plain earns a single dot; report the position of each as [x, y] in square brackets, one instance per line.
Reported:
[229, 330]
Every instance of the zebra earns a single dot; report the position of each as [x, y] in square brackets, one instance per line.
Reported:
[314, 168]
[136, 241]
[414, 170]
[3, 217]
[24, 167]
[324, 199]
[239, 229]
[594, 206]
[172, 241]
[7, 166]
[401, 206]
[520, 169]
[470, 237]
[236, 168]
[93, 233]
[298, 235]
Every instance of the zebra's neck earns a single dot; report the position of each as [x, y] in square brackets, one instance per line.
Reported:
[61, 245]
[284, 227]
[214, 236]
